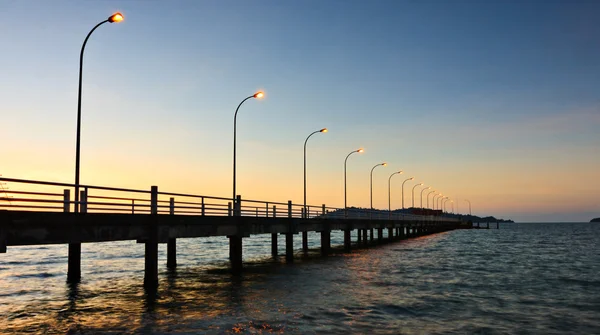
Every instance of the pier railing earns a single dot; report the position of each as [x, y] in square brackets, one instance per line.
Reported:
[34, 195]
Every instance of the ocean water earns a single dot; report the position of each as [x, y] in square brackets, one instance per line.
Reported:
[528, 278]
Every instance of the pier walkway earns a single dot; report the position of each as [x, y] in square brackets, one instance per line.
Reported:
[40, 212]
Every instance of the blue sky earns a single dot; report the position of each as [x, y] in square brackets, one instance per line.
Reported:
[492, 101]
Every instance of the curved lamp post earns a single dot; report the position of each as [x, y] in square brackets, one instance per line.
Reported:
[435, 200]
[439, 202]
[444, 201]
[428, 197]
[411, 178]
[469, 206]
[256, 95]
[361, 150]
[422, 195]
[324, 130]
[116, 17]
[413, 194]
[371, 184]
[389, 190]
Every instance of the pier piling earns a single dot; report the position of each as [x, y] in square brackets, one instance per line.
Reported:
[151, 245]
[171, 243]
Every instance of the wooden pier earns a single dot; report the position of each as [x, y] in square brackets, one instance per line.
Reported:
[36, 220]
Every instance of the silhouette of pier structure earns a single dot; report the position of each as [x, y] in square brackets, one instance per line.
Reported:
[42, 212]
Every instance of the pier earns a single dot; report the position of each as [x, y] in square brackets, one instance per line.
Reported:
[40, 212]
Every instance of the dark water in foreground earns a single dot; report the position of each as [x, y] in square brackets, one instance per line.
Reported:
[521, 279]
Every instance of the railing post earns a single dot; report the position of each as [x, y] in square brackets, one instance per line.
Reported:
[203, 207]
[238, 205]
[83, 200]
[132, 206]
[256, 211]
[172, 242]
[267, 209]
[66, 201]
[229, 211]
[274, 211]
[151, 245]
[289, 208]
[323, 211]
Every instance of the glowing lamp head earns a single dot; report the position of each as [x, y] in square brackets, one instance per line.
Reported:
[399, 172]
[411, 178]
[361, 150]
[384, 164]
[116, 17]
[420, 184]
[258, 95]
[324, 130]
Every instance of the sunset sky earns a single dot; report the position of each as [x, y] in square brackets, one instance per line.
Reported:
[497, 102]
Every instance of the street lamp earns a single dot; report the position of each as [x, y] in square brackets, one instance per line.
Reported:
[256, 95]
[428, 197]
[439, 202]
[444, 201]
[389, 191]
[361, 150]
[411, 178]
[371, 185]
[324, 130]
[422, 195]
[413, 194]
[469, 206]
[116, 17]
[435, 200]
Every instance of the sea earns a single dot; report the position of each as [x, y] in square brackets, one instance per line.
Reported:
[524, 278]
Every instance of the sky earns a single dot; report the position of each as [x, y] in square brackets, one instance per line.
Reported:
[495, 102]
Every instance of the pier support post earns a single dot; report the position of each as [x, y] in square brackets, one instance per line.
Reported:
[379, 234]
[372, 236]
[171, 243]
[289, 247]
[305, 242]
[347, 240]
[151, 250]
[235, 253]
[390, 233]
[289, 237]
[365, 237]
[274, 244]
[358, 236]
[74, 260]
[325, 242]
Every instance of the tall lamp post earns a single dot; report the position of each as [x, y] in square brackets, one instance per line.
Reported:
[256, 95]
[361, 150]
[413, 194]
[389, 190]
[428, 197]
[422, 195]
[371, 184]
[469, 206]
[116, 17]
[444, 201]
[439, 202]
[324, 130]
[411, 178]
[435, 200]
